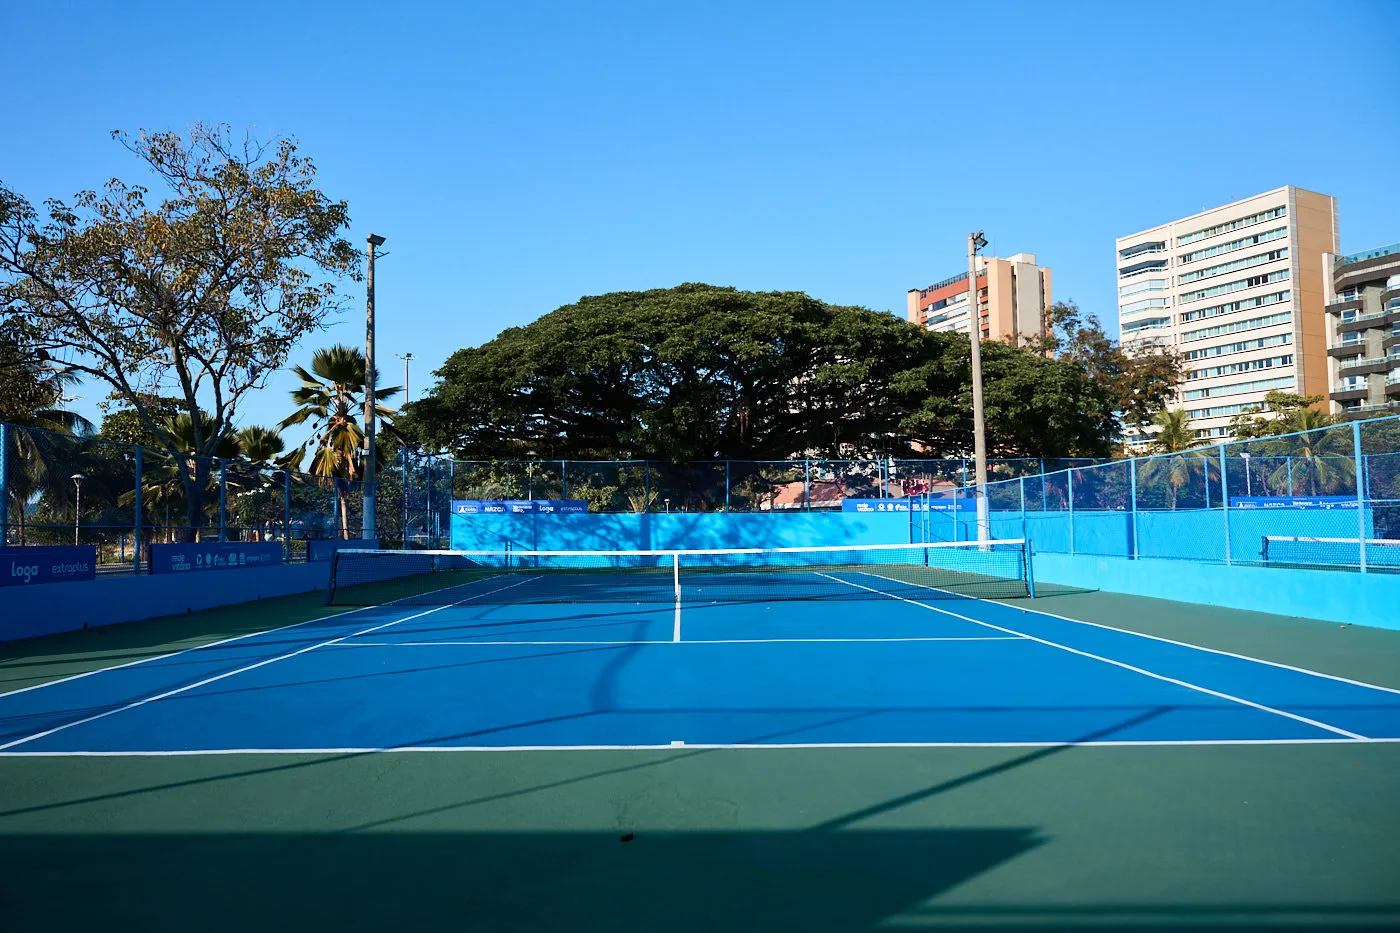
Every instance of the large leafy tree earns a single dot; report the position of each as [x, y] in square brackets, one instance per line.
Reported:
[199, 296]
[1139, 384]
[699, 372]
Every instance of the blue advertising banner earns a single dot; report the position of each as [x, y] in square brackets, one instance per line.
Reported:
[27, 566]
[519, 506]
[321, 549]
[961, 504]
[214, 555]
[1292, 502]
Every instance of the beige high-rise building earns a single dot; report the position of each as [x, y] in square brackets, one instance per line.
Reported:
[1239, 292]
[1012, 295]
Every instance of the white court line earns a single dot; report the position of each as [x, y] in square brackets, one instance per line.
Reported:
[687, 747]
[1169, 641]
[692, 641]
[241, 670]
[222, 641]
[1137, 670]
[676, 629]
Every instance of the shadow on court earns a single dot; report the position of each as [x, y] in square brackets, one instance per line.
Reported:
[482, 881]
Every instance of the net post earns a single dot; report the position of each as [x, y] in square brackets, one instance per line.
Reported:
[676, 574]
[1132, 505]
[136, 514]
[1224, 503]
[1027, 551]
[1023, 506]
[1264, 550]
[1360, 495]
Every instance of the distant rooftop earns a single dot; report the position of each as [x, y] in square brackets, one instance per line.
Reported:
[1368, 254]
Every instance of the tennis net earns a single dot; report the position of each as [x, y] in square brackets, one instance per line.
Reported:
[989, 569]
[1374, 554]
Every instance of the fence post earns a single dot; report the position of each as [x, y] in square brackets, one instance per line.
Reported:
[957, 516]
[287, 514]
[563, 479]
[646, 486]
[1070, 484]
[1290, 477]
[403, 497]
[1225, 503]
[136, 520]
[1360, 496]
[1023, 507]
[726, 485]
[1132, 504]
[428, 507]
[223, 500]
[4, 484]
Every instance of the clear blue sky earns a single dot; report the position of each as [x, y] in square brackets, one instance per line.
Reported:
[521, 155]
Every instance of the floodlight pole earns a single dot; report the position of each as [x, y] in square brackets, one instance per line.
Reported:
[976, 241]
[367, 523]
[77, 503]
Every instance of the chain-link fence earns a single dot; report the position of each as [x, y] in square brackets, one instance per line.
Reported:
[1328, 497]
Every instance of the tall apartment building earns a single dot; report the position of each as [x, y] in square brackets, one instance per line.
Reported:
[1363, 327]
[1012, 295]
[1239, 292]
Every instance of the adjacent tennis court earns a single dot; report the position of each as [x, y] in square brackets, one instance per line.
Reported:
[876, 646]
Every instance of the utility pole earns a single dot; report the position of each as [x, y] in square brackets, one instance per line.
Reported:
[975, 242]
[367, 530]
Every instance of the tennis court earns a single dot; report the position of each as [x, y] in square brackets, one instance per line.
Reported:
[882, 646]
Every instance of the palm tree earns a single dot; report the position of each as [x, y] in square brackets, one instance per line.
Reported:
[1318, 461]
[36, 454]
[1173, 442]
[331, 399]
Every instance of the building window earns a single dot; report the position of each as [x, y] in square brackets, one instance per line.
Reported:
[1254, 281]
[1138, 268]
[1147, 323]
[1210, 272]
[1283, 317]
[1145, 285]
[1144, 304]
[1231, 307]
[1230, 247]
[1239, 388]
[1243, 346]
[1230, 369]
[1221, 411]
[1142, 249]
[1251, 220]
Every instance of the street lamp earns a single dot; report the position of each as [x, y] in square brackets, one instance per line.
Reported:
[405, 357]
[367, 531]
[77, 479]
[668, 504]
[975, 242]
[1248, 491]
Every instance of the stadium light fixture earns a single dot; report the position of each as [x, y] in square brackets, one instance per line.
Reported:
[975, 242]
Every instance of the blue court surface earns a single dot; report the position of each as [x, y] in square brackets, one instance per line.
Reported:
[883, 667]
